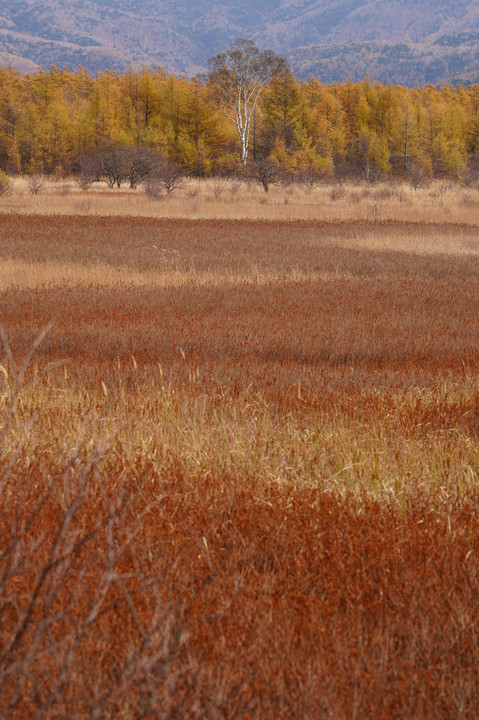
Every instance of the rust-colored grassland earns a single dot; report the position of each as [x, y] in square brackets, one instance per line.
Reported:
[239, 464]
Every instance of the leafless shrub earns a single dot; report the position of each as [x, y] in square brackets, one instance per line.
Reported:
[133, 164]
[87, 171]
[84, 182]
[169, 174]
[36, 183]
[60, 173]
[138, 163]
[264, 172]
[469, 199]
[218, 188]
[308, 178]
[417, 176]
[337, 192]
[385, 193]
[154, 189]
[112, 167]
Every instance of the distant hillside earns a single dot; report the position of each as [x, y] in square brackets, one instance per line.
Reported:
[18, 63]
[447, 61]
[402, 41]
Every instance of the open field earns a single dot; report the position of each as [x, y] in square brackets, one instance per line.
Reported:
[239, 467]
[439, 201]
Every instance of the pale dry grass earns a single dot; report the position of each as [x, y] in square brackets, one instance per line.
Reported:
[168, 256]
[150, 421]
[16, 274]
[24, 274]
[230, 199]
[416, 243]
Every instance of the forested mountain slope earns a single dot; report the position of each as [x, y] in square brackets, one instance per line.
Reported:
[406, 41]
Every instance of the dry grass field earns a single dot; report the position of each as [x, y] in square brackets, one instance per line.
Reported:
[439, 201]
[240, 452]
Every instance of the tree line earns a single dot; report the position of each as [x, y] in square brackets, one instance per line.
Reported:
[129, 126]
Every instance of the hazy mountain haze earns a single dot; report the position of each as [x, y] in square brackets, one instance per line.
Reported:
[405, 41]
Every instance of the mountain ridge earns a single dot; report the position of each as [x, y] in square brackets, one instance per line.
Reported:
[401, 41]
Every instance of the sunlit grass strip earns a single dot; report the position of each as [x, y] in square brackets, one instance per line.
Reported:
[24, 274]
[440, 202]
[391, 455]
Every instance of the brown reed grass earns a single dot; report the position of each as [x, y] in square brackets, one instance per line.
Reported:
[239, 474]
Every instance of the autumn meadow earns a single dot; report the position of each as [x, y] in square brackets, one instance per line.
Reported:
[239, 446]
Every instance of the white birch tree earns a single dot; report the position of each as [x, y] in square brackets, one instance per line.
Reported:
[237, 76]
